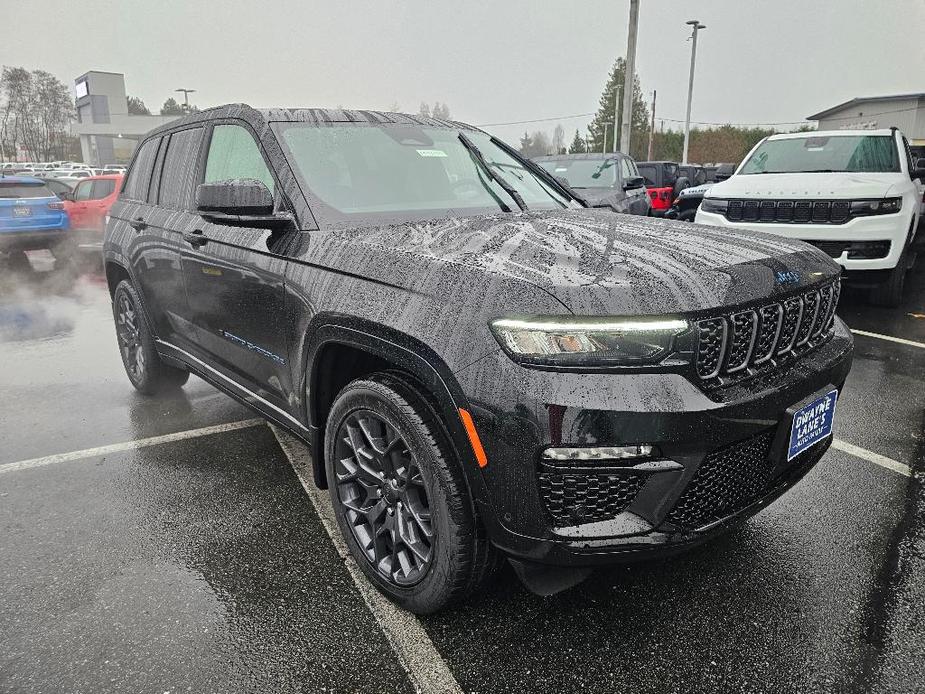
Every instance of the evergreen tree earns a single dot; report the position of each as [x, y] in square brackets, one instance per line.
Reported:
[578, 145]
[171, 108]
[136, 107]
[605, 113]
[424, 110]
[526, 144]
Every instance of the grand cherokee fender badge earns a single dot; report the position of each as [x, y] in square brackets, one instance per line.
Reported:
[252, 347]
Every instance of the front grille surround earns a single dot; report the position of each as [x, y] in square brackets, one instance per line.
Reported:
[735, 345]
[789, 211]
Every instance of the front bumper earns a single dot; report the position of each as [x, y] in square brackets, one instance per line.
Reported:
[729, 437]
[890, 227]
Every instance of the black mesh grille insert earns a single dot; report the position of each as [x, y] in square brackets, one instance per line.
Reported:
[710, 346]
[573, 497]
[769, 325]
[793, 308]
[810, 313]
[740, 340]
[734, 477]
[727, 481]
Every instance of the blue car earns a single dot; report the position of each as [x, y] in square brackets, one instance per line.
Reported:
[31, 216]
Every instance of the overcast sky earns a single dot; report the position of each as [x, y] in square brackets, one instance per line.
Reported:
[491, 61]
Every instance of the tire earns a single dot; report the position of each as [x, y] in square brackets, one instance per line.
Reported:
[144, 368]
[890, 293]
[422, 573]
[18, 261]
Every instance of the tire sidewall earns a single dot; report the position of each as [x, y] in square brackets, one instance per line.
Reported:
[431, 591]
[146, 383]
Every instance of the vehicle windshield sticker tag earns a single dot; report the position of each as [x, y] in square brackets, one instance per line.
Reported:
[431, 153]
[561, 168]
[812, 423]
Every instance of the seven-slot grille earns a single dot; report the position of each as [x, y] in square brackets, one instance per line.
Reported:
[733, 343]
[789, 211]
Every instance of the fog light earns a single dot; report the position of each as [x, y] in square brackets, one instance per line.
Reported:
[599, 453]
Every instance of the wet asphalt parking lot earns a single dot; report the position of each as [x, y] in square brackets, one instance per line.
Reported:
[167, 545]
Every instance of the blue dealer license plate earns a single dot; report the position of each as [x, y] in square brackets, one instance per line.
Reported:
[812, 423]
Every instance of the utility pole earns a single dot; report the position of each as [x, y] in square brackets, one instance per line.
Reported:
[629, 78]
[186, 93]
[604, 142]
[616, 115]
[651, 128]
[697, 26]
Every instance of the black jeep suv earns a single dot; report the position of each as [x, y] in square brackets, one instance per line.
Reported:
[481, 366]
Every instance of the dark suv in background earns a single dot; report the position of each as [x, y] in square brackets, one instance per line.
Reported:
[603, 180]
[481, 366]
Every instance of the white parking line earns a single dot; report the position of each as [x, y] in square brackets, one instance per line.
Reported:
[872, 457]
[889, 338]
[127, 445]
[404, 632]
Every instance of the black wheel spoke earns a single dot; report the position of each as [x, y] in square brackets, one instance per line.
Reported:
[379, 485]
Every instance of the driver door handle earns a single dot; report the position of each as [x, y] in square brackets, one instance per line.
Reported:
[138, 224]
[195, 238]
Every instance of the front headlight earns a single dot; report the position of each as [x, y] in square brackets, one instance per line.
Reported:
[869, 207]
[714, 205]
[588, 341]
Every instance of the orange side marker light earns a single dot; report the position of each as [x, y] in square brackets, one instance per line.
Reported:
[473, 437]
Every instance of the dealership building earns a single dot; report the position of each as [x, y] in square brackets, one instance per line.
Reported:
[108, 133]
[903, 111]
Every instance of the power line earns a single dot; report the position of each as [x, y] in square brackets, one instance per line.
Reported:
[703, 122]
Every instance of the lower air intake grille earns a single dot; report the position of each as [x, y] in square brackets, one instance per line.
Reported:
[734, 477]
[573, 497]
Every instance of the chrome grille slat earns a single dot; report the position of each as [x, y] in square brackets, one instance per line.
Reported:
[738, 341]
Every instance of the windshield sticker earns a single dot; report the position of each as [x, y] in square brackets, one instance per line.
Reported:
[561, 168]
[431, 152]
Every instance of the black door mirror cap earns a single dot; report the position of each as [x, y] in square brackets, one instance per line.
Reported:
[239, 196]
[631, 182]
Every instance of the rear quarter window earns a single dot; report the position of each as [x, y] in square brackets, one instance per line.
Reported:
[179, 171]
[139, 175]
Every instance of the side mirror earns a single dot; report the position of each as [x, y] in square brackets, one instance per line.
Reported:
[919, 170]
[239, 202]
[631, 182]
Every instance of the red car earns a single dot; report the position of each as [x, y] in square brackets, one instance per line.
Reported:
[664, 180]
[88, 204]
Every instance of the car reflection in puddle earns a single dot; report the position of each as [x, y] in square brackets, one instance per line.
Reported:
[39, 296]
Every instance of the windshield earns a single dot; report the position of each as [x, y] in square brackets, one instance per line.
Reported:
[397, 170]
[584, 173]
[823, 154]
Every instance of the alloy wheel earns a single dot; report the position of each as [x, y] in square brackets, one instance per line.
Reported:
[380, 486]
[129, 331]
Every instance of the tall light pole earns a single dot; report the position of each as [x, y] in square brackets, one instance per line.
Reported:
[697, 26]
[616, 118]
[604, 143]
[186, 93]
[629, 78]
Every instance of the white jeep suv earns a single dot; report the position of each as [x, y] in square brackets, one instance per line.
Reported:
[854, 194]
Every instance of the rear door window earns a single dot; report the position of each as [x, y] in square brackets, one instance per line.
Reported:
[102, 188]
[139, 175]
[179, 172]
[233, 153]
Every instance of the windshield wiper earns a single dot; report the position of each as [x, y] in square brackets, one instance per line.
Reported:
[497, 178]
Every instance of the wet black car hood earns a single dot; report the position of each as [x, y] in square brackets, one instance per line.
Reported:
[597, 262]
